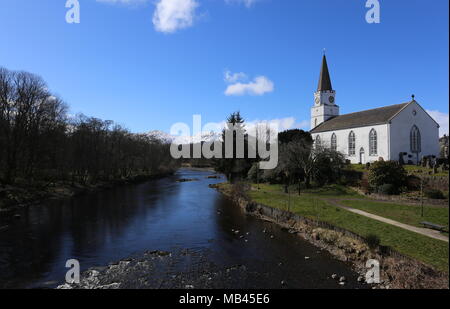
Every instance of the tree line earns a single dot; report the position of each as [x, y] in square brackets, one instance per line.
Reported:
[39, 141]
[300, 161]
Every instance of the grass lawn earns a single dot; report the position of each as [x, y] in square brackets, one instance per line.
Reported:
[410, 169]
[359, 167]
[419, 170]
[331, 191]
[431, 251]
[403, 213]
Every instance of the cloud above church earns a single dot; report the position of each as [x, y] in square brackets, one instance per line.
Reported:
[173, 15]
[239, 85]
[442, 119]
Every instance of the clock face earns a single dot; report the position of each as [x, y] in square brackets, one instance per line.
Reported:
[317, 100]
[331, 99]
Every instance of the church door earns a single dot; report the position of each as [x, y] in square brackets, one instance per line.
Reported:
[362, 156]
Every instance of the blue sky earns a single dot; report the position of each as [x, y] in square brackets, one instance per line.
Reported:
[150, 64]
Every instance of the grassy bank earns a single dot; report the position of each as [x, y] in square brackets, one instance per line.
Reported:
[313, 204]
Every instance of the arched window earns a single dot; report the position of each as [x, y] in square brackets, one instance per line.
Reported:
[415, 140]
[373, 143]
[351, 143]
[318, 141]
[315, 122]
[333, 142]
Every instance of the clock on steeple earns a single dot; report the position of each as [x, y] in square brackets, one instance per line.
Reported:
[324, 99]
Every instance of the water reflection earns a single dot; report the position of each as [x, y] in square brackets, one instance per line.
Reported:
[102, 227]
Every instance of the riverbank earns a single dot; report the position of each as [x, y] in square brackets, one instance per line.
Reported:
[397, 270]
[18, 196]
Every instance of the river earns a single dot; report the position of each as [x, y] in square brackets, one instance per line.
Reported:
[101, 227]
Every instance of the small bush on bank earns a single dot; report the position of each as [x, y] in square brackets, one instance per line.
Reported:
[239, 190]
[350, 177]
[387, 189]
[387, 172]
[435, 194]
[373, 241]
[254, 174]
[413, 183]
[364, 185]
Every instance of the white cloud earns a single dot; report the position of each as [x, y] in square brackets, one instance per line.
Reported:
[247, 3]
[259, 86]
[172, 15]
[234, 77]
[305, 125]
[442, 119]
[281, 124]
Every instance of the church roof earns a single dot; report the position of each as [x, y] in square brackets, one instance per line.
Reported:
[324, 79]
[365, 118]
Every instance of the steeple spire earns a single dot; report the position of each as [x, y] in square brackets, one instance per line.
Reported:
[324, 80]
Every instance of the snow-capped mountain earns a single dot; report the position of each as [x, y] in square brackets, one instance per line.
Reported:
[161, 135]
[168, 138]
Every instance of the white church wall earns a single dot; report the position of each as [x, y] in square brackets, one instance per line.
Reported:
[361, 141]
[400, 132]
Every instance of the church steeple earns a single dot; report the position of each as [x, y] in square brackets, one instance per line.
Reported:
[325, 106]
[324, 80]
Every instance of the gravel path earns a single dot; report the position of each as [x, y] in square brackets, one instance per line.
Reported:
[423, 231]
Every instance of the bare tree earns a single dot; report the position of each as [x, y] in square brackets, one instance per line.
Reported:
[38, 141]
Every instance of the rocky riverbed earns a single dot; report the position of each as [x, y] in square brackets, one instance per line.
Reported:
[184, 269]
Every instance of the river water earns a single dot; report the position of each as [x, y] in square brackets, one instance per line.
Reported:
[101, 227]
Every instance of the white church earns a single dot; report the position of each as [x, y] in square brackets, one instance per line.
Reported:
[387, 132]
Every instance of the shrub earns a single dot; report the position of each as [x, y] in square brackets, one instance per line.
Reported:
[271, 176]
[387, 189]
[350, 177]
[239, 190]
[373, 241]
[413, 182]
[255, 175]
[435, 194]
[328, 166]
[364, 185]
[387, 172]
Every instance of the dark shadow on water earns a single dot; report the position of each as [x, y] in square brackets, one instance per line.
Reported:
[106, 226]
